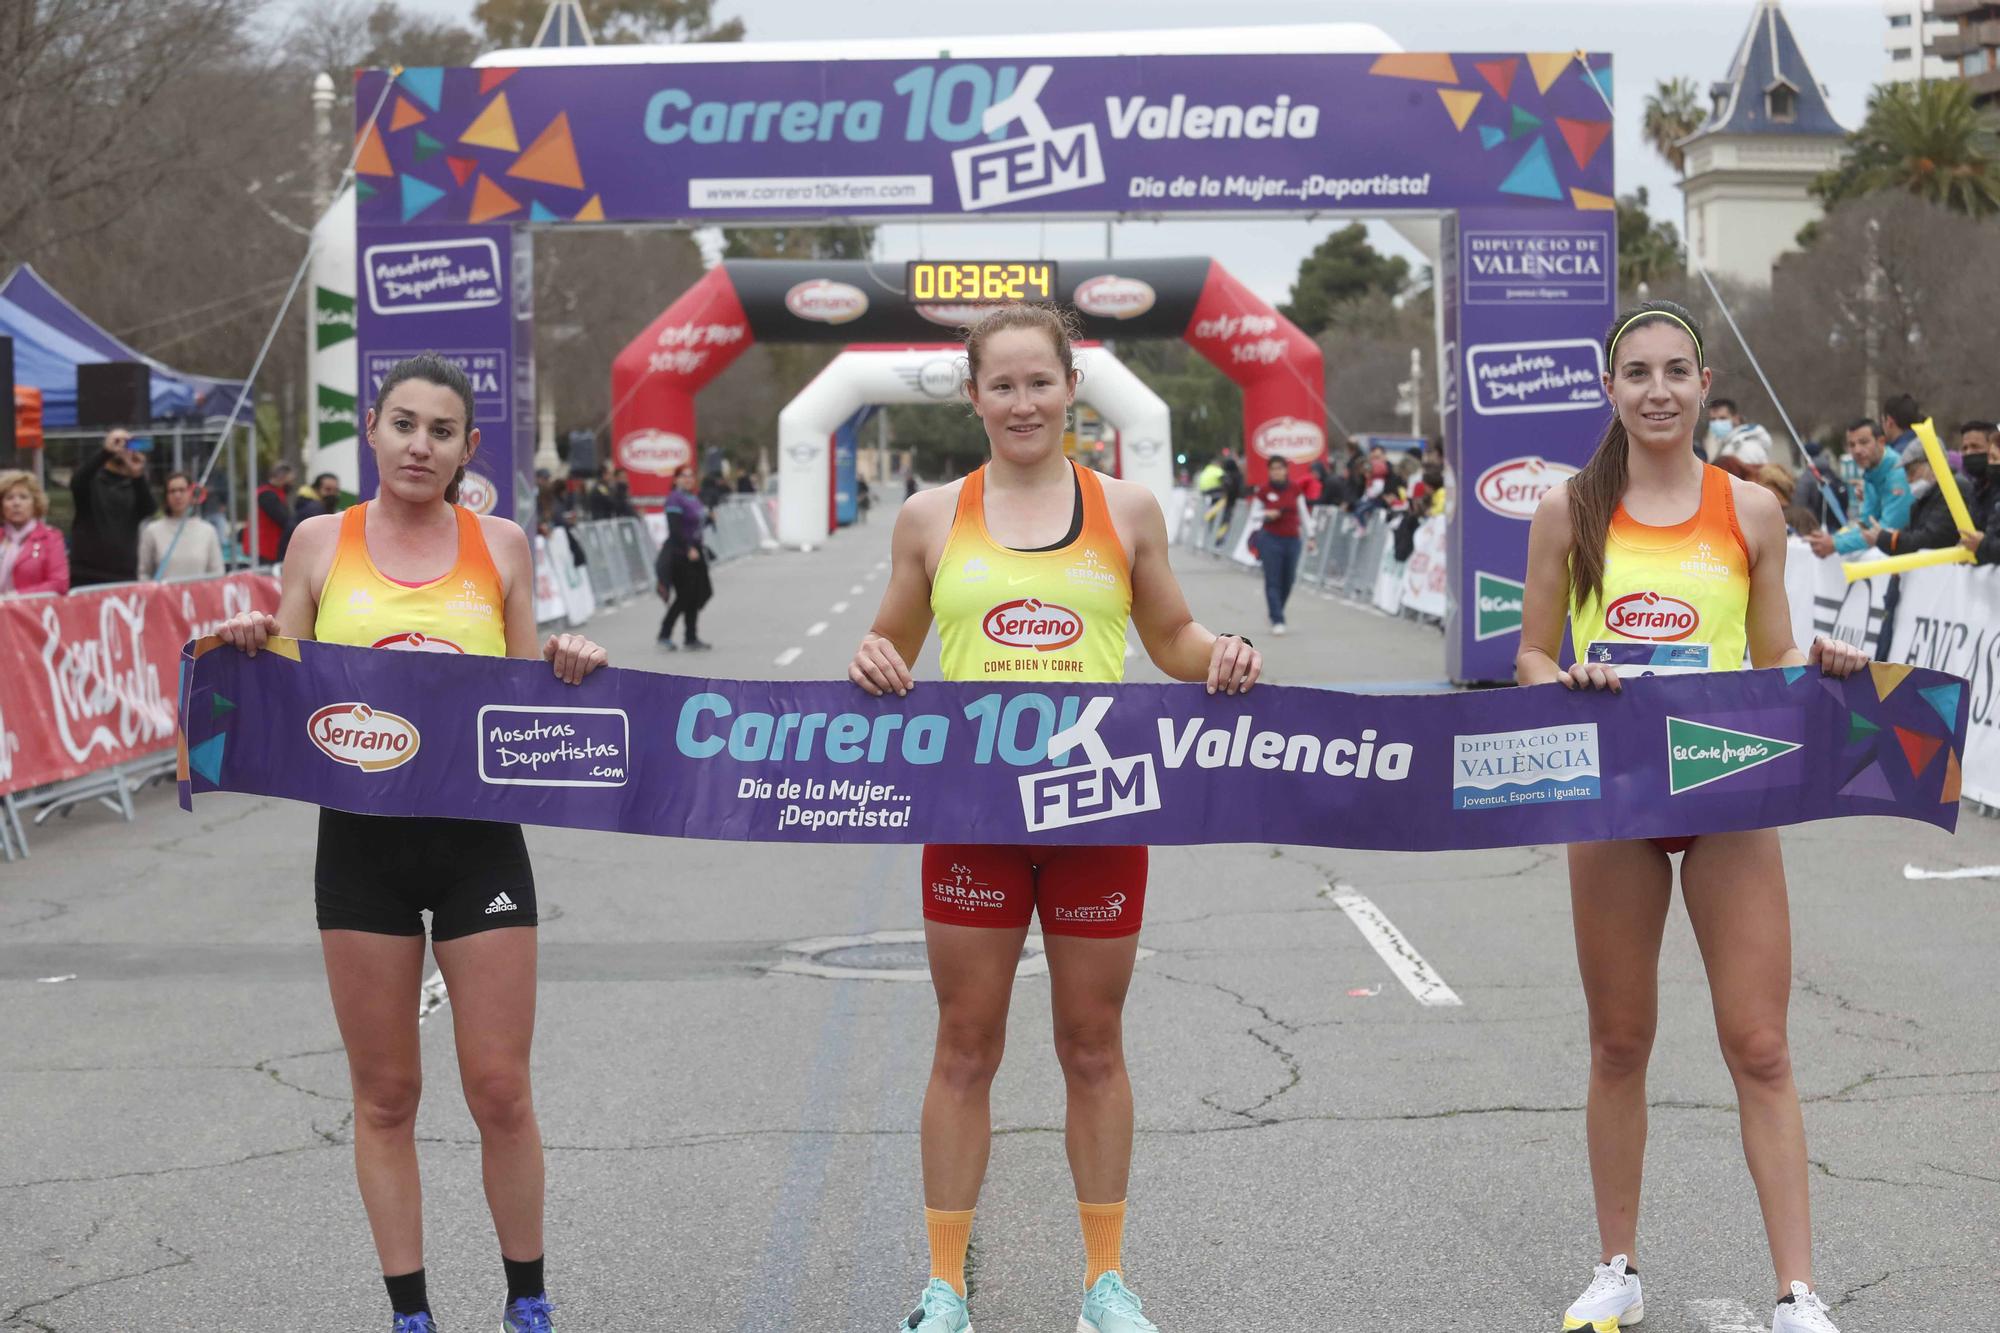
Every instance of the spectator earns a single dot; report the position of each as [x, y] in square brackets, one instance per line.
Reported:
[1281, 503]
[1885, 491]
[273, 520]
[1332, 478]
[746, 484]
[1802, 521]
[909, 483]
[1900, 416]
[179, 544]
[713, 490]
[610, 496]
[1730, 436]
[1983, 500]
[1232, 491]
[1931, 526]
[32, 555]
[1779, 480]
[1734, 467]
[682, 567]
[112, 500]
[322, 497]
[863, 498]
[1434, 487]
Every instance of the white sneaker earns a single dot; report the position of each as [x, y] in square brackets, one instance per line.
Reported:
[1610, 1302]
[1804, 1313]
[1279, 629]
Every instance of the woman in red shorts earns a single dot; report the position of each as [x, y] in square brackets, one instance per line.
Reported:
[1029, 539]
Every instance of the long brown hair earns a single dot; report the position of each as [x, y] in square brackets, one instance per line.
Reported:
[1594, 493]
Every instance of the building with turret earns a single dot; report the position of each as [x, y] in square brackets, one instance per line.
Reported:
[1751, 165]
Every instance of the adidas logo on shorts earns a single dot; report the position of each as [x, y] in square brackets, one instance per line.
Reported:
[501, 904]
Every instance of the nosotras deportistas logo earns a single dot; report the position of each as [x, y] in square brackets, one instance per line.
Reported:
[367, 739]
[1699, 753]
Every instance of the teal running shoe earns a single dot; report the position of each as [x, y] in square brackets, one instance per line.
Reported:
[941, 1310]
[528, 1314]
[414, 1323]
[1112, 1307]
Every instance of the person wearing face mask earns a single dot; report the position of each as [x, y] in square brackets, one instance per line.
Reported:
[32, 555]
[1730, 436]
[1976, 441]
[1931, 526]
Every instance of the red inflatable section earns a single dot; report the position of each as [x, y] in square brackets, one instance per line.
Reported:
[1281, 372]
[655, 379]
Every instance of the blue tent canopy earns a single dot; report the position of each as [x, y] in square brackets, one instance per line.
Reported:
[52, 338]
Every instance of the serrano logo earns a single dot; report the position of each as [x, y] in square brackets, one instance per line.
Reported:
[658, 453]
[354, 733]
[477, 493]
[1112, 297]
[416, 641]
[1289, 438]
[1513, 488]
[827, 302]
[1651, 616]
[1028, 623]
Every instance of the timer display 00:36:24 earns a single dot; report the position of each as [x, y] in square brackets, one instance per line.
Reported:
[979, 280]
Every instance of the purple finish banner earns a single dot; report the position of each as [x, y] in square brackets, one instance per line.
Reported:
[814, 761]
[1151, 135]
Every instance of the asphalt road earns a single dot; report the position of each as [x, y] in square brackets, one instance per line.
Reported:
[734, 1148]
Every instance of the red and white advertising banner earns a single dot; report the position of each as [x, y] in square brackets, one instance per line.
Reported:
[89, 680]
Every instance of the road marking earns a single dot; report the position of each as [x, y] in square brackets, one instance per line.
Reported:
[856, 590]
[1714, 1316]
[1417, 976]
[432, 997]
[1969, 872]
[818, 627]
[881, 564]
[839, 608]
[789, 656]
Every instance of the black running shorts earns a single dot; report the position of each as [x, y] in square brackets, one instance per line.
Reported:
[380, 873]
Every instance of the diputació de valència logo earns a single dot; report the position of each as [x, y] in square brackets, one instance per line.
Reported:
[363, 737]
[1498, 770]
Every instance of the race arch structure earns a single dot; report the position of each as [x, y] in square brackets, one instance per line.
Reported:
[1509, 151]
[655, 379]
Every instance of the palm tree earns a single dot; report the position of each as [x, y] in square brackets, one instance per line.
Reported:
[1928, 139]
[1673, 112]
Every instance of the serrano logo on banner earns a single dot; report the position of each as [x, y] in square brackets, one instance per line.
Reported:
[1502, 769]
[354, 733]
[1652, 616]
[1028, 623]
[1289, 438]
[553, 747]
[658, 453]
[1514, 487]
[1112, 297]
[1563, 375]
[423, 276]
[827, 302]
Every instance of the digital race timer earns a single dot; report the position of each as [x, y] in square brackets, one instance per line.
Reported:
[981, 280]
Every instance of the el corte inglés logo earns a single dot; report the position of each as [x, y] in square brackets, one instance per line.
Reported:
[1028, 623]
[1499, 610]
[354, 733]
[1513, 488]
[1652, 616]
[1699, 753]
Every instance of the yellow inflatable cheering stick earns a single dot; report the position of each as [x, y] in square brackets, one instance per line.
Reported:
[1948, 484]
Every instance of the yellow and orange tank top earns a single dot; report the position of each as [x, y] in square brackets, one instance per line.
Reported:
[1675, 599]
[461, 611]
[1052, 615]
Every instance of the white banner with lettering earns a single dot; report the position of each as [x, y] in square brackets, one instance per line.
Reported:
[1949, 620]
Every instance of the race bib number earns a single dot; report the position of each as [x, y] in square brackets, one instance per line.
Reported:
[1648, 659]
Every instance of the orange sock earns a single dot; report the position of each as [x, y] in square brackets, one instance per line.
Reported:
[1103, 1236]
[950, 1234]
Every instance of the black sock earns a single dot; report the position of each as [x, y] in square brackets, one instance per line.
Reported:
[1787, 1299]
[407, 1294]
[524, 1277]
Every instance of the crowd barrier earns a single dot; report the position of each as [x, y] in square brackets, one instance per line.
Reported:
[86, 690]
[619, 554]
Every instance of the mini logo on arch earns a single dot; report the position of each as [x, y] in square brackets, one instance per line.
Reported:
[1513, 488]
[363, 737]
[1029, 623]
[657, 453]
[827, 302]
[1109, 296]
[1652, 616]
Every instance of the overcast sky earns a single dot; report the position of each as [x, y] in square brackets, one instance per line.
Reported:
[1649, 40]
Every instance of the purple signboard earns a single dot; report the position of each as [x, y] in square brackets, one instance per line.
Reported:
[1525, 403]
[453, 291]
[820, 761]
[1145, 135]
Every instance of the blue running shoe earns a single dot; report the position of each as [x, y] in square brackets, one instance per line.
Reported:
[1111, 1307]
[414, 1323]
[942, 1310]
[528, 1314]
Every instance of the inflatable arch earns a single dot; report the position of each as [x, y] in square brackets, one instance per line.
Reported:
[654, 380]
[932, 373]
